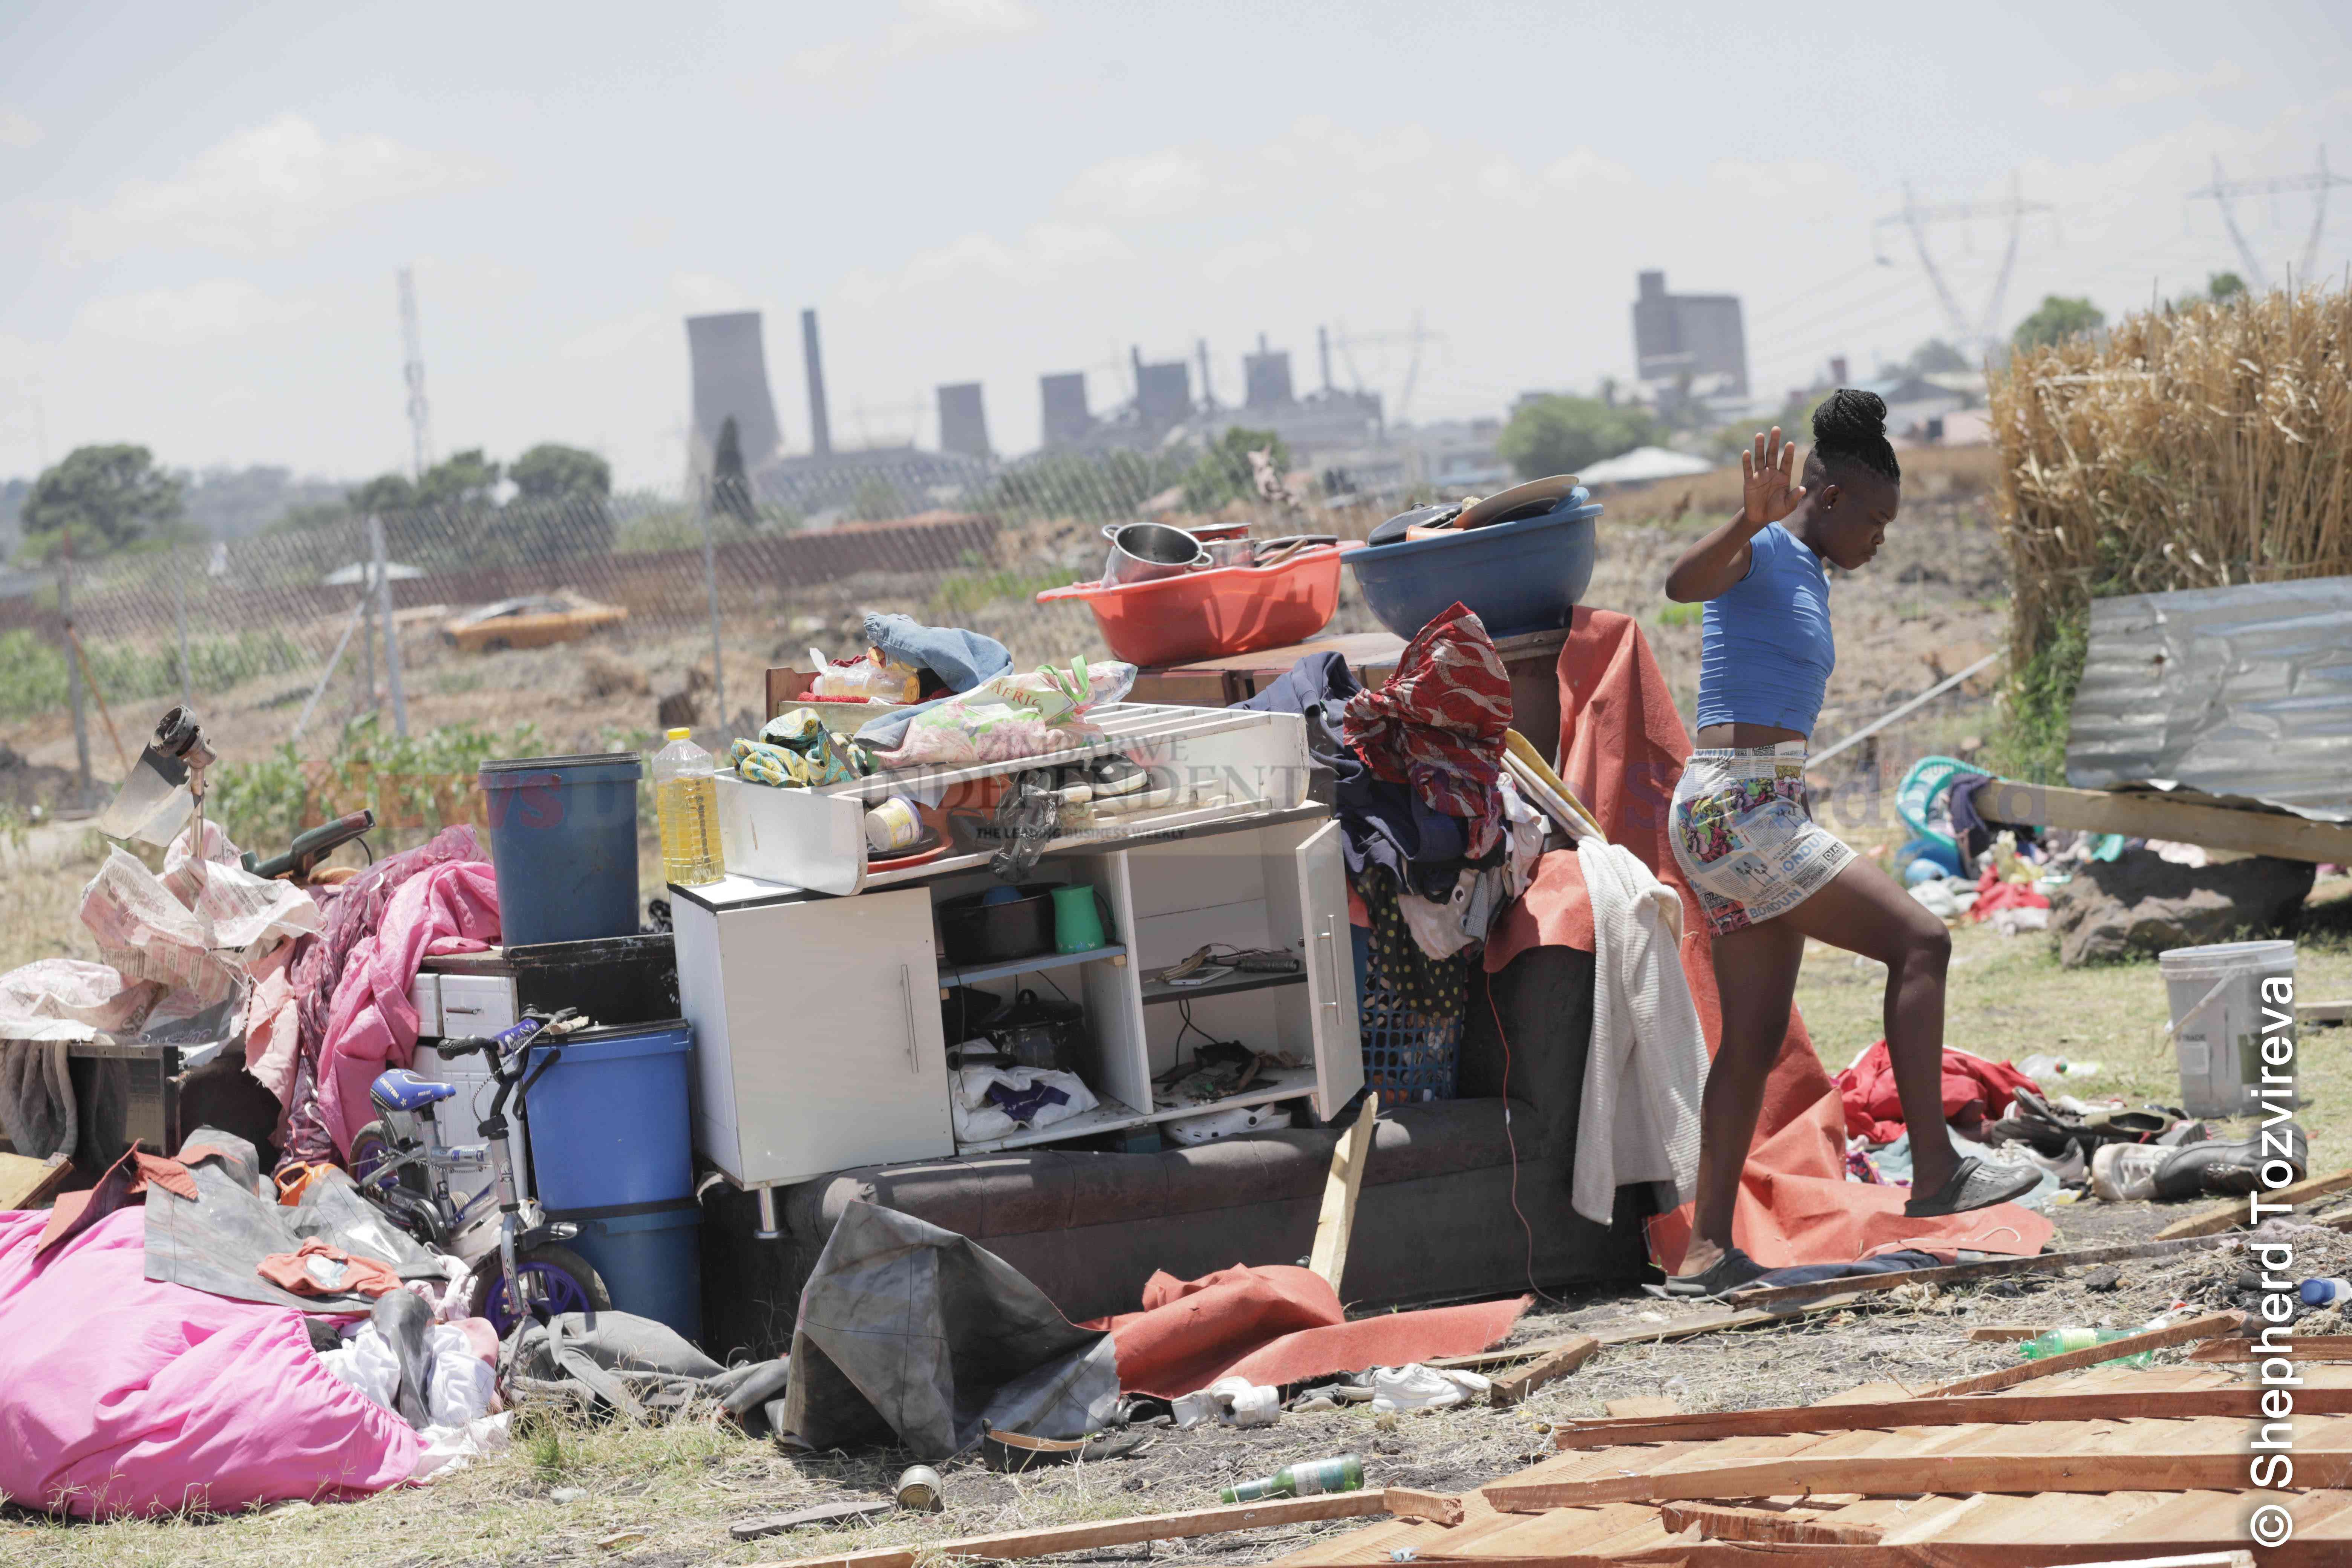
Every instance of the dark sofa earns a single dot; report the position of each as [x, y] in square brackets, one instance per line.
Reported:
[1434, 1221]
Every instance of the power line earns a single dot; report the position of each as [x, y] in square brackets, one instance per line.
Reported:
[412, 343]
[1916, 219]
[2223, 192]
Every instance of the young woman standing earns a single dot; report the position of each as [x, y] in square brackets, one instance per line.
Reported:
[1765, 874]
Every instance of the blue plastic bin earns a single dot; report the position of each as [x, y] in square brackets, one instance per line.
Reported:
[608, 1121]
[1408, 1056]
[1523, 576]
[564, 840]
[651, 1261]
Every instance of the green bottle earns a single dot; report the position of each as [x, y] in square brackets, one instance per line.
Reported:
[1344, 1474]
[2058, 1342]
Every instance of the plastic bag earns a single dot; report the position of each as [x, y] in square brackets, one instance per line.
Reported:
[873, 678]
[1011, 717]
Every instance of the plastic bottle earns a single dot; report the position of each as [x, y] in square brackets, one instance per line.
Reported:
[2058, 1342]
[2330, 1292]
[686, 799]
[1343, 1474]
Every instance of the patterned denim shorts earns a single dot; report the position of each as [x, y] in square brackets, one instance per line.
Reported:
[1744, 838]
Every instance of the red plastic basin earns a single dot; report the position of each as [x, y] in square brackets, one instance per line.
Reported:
[1208, 614]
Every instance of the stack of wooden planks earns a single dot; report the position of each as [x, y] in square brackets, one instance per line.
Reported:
[2102, 1466]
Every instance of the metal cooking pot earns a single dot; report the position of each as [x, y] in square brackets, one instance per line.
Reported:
[1230, 552]
[1143, 551]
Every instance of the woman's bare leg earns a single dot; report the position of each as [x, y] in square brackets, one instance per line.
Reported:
[1863, 910]
[1754, 977]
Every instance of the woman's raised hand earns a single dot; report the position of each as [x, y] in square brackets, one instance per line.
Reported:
[1767, 480]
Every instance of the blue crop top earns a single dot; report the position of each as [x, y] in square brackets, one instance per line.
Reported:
[1766, 652]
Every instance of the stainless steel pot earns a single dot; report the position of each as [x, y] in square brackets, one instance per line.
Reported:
[1143, 551]
[1230, 552]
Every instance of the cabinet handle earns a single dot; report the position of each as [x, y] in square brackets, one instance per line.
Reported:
[1330, 964]
[907, 1000]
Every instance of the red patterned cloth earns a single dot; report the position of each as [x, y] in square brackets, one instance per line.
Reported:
[1975, 1090]
[1437, 726]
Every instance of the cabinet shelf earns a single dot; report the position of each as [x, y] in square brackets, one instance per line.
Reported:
[1108, 1116]
[1279, 1083]
[978, 974]
[1157, 991]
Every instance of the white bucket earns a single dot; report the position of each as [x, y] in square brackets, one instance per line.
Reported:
[2217, 1021]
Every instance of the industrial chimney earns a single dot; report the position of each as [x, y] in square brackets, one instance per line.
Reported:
[820, 424]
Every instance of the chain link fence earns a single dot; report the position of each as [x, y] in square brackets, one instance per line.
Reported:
[287, 621]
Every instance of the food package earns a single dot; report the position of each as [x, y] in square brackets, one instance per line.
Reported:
[1011, 715]
[873, 678]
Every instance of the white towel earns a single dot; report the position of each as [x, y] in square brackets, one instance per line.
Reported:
[1648, 1063]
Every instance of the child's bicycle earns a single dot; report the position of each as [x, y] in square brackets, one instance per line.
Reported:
[400, 1164]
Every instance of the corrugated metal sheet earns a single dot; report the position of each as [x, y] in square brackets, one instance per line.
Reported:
[2243, 691]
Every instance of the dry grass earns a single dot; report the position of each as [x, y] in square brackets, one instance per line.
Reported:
[2195, 447]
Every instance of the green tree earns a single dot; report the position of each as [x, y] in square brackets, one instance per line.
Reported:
[101, 498]
[1223, 472]
[1936, 357]
[383, 493]
[877, 501]
[1558, 434]
[2223, 285]
[551, 471]
[2056, 320]
[465, 478]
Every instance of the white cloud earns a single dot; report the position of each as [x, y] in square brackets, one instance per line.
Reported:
[2127, 88]
[925, 28]
[200, 312]
[1256, 255]
[18, 129]
[1156, 185]
[270, 189]
[1046, 253]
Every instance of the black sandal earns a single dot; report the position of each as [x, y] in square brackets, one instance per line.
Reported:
[1973, 1184]
[1728, 1272]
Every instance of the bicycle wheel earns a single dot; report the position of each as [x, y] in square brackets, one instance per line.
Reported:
[552, 1277]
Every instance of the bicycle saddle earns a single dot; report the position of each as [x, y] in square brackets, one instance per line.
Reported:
[401, 1090]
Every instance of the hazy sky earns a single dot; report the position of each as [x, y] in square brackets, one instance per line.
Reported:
[205, 204]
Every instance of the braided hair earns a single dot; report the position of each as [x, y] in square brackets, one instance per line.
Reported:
[1850, 427]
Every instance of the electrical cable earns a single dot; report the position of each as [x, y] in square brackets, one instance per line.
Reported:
[1511, 1139]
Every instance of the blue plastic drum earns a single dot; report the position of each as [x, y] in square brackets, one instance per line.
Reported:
[564, 840]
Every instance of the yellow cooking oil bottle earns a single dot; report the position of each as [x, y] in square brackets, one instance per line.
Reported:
[686, 798]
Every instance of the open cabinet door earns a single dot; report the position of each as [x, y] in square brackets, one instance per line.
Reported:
[1330, 971]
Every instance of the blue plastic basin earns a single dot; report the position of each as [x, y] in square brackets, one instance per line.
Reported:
[563, 841]
[651, 1261]
[608, 1121]
[1523, 576]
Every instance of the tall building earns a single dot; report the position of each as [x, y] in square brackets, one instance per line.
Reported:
[1163, 393]
[1698, 335]
[1067, 420]
[729, 369]
[1265, 377]
[963, 422]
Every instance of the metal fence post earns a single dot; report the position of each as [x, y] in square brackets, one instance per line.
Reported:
[73, 679]
[391, 627]
[180, 620]
[710, 578]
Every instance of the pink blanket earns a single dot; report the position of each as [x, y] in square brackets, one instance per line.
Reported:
[119, 1394]
[451, 908]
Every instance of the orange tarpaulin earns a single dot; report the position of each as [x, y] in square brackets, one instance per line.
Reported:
[1276, 1325]
[1621, 750]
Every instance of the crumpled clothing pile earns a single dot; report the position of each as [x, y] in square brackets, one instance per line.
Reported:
[1438, 723]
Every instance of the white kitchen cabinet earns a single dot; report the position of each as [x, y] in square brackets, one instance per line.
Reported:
[818, 1038]
[816, 1030]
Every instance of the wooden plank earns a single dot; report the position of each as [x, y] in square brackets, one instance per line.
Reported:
[2322, 1013]
[1430, 1507]
[2099, 1405]
[1509, 1391]
[823, 1513]
[2230, 1217]
[2206, 1327]
[1651, 1333]
[1881, 1474]
[1991, 1267]
[25, 1182]
[1134, 1531]
[2004, 1333]
[1338, 1220]
[2148, 814]
[2309, 1347]
[1718, 1522]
